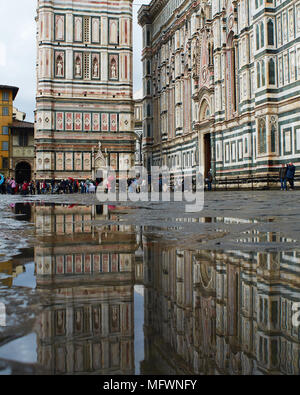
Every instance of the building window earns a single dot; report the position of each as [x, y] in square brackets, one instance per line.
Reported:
[149, 87]
[262, 137]
[4, 163]
[271, 72]
[262, 35]
[148, 67]
[270, 32]
[273, 138]
[5, 111]
[4, 145]
[5, 130]
[257, 37]
[263, 78]
[148, 38]
[23, 139]
[258, 75]
[5, 96]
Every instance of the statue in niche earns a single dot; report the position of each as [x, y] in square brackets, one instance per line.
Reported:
[95, 68]
[113, 69]
[78, 67]
[59, 66]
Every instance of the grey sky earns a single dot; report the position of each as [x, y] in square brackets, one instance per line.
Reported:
[18, 50]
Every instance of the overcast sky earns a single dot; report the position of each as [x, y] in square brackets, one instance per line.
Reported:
[18, 50]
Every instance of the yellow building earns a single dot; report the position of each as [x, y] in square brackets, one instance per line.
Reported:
[7, 96]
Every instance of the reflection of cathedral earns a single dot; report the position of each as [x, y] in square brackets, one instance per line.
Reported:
[84, 92]
[221, 85]
[220, 313]
[87, 324]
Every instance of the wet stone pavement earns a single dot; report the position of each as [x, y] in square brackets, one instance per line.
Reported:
[146, 288]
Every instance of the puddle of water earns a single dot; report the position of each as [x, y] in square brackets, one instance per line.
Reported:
[120, 303]
[23, 350]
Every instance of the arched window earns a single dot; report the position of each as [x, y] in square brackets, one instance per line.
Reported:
[257, 37]
[273, 138]
[262, 137]
[262, 35]
[204, 111]
[148, 38]
[149, 87]
[187, 102]
[263, 78]
[258, 74]
[271, 72]
[270, 28]
[148, 67]
[231, 76]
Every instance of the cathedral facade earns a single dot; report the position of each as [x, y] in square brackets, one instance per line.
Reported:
[221, 86]
[84, 87]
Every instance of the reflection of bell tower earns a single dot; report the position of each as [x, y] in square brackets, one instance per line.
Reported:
[87, 325]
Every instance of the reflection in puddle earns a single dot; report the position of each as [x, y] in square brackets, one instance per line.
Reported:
[121, 304]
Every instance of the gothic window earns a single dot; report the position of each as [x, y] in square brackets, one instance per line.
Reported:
[148, 110]
[148, 67]
[263, 78]
[262, 35]
[262, 137]
[273, 138]
[271, 72]
[270, 27]
[231, 76]
[204, 111]
[187, 102]
[148, 38]
[257, 37]
[258, 74]
[149, 87]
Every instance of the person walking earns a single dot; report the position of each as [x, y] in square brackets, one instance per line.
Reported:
[38, 187]
[282, 177]
[209, 180]
[290, 174]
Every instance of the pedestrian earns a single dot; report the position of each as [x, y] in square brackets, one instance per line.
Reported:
[282, 177]
[209, 179]
[25, 188]
[38, 187]
[290, 174]
[52, 185]
[13, 186]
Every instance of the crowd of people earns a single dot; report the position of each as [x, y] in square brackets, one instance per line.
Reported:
[11, 187]
[135, 184]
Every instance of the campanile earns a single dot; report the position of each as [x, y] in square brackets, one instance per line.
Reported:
[84, 86]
